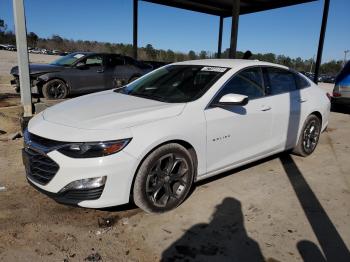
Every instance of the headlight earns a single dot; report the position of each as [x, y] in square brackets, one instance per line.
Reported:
[98, 149]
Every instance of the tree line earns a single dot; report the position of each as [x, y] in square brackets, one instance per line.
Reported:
[56, 42]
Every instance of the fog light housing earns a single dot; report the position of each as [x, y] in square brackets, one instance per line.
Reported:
[85, 184]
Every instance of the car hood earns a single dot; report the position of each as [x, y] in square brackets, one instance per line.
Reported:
[38, 69]
[110, 110]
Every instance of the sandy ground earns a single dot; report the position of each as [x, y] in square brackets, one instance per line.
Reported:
[8, 59]
[284, 208]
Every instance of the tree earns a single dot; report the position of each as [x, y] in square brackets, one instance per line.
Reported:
[3, 26]
[151, 52]
[170, 55]
[203, 55]
[57, 39]
[331, 68]
[192, 55]
[32, 39]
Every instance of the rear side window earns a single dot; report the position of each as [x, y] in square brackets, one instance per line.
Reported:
[248, 82]
[301, 81]
[113, 60]
[280, 81]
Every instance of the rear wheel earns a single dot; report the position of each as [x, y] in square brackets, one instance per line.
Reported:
[55, 89]
[164, 179]
[309, 136]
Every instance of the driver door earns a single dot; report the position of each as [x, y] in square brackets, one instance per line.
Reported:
[88, 75]
[236, 133]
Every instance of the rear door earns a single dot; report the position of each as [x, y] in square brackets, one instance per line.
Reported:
[114, 71]
[287, 99]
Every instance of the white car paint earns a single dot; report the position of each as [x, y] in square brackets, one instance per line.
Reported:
[221, 139]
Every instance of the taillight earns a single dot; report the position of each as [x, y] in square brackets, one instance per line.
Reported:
[336, 94]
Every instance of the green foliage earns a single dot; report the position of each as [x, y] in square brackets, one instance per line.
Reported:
[150, 53]
[32, 39]
[192, 55]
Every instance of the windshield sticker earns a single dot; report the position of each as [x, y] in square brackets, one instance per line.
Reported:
[78, 56]
[214, 69]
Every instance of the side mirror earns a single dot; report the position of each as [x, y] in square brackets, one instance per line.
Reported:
[81, 65]
[232, 100]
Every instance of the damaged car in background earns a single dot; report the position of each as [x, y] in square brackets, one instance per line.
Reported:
[81, 73]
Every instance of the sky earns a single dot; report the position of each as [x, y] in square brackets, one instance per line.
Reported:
[292, 31]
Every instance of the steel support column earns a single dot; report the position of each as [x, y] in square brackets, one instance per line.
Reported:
[321, 40]
[22, 57]
[135, 27]
[234, 27]
[220, 36]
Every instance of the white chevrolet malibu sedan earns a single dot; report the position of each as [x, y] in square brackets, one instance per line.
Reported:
[149, 141]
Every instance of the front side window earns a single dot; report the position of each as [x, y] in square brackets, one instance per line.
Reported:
[280, 81]
[248, 82]
[175, 83]
[94, 60]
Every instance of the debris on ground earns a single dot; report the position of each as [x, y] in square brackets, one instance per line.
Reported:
[14, 136]
[106, 222]
[94, 257]
[125, 221]
[2, 189]
[2, 132]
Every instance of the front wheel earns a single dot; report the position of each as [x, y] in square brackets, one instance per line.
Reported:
[164, 179]
[309, 136]
[55, 89]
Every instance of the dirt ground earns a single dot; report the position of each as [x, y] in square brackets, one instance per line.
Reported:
[284, 208]
[8, 59]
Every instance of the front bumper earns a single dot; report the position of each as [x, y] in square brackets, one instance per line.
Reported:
[33, 84]
[71, 197]
[119, 169]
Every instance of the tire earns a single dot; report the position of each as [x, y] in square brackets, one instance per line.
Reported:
[309, 136]
[164, 179]
[55, 89]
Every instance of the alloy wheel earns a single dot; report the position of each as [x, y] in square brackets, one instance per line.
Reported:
[311, 135]
[167, 180]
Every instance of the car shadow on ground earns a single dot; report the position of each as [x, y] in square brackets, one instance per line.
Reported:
[343, 109]
[225, 238]
[333, 246]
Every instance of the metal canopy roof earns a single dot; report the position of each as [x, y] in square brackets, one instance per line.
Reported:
[224, 7]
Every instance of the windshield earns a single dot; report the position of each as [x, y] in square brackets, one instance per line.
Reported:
[67, 60]
[175, 83]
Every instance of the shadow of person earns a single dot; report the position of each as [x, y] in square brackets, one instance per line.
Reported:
[223, 239]
[310, 252]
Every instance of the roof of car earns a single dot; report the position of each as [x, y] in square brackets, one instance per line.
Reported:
[231, 63]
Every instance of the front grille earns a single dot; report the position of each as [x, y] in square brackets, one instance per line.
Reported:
[39, 167]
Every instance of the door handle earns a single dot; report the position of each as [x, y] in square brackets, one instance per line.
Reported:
[265, 108]
[100, 71]
[302, 100]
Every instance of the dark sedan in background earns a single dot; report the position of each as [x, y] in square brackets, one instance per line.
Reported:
[81, 73]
